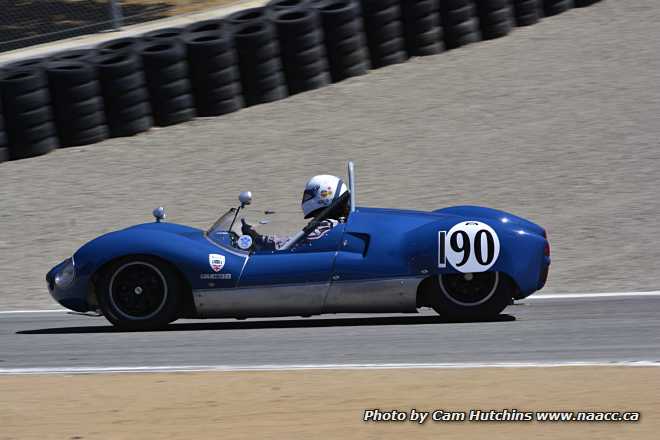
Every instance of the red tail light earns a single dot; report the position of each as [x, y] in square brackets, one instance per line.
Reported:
[546, 249]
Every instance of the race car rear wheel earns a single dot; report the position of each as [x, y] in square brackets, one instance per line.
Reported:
[471, 296]
[139, 293]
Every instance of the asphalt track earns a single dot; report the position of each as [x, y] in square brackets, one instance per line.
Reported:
[603, 329]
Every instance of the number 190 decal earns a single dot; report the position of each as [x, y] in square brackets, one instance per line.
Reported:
[468, 247]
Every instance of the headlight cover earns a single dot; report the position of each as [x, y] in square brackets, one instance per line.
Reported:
[66, 274]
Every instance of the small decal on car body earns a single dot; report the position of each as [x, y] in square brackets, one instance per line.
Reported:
[217, 262]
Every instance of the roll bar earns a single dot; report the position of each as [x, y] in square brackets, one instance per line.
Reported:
[351, 183]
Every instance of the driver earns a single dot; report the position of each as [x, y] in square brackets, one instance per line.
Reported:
[320, 192]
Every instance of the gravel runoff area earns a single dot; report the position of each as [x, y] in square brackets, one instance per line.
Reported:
[557, 122]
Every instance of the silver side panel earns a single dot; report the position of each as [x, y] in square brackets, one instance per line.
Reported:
[243, 302]
[369, 296]
[373, 296]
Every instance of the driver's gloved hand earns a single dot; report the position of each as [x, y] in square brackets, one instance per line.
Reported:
[248, 229]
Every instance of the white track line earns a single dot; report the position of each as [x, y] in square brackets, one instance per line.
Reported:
[533, 297]
[297, 367]
[593, 295]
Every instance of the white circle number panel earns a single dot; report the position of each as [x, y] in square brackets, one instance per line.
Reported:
[472, 247]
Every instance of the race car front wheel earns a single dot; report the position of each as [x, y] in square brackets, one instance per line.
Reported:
[471, 296]
[139, 293]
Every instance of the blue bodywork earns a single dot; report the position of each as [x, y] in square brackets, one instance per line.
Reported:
[372, 244]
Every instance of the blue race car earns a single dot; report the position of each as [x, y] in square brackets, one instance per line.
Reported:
[466, 262]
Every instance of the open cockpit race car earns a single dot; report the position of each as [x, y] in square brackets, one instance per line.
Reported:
[466, 262]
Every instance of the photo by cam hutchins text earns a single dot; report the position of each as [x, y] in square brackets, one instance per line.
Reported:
[498, 415]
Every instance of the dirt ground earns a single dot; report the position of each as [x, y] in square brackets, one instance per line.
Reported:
[323, 404]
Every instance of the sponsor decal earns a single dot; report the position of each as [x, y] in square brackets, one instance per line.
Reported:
[217, 262]
[215, 276]
[245, 242]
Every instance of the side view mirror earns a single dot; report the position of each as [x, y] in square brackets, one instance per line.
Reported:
[245, 198]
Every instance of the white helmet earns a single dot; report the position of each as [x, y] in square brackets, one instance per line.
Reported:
[320, 192]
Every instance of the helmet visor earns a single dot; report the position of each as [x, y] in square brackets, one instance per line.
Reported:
[309, 194]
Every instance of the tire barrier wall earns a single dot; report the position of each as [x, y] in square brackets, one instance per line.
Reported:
[422, 27]
[27, 113]
[459, 22]
[209, 68]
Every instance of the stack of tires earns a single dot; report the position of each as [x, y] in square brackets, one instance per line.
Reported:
[554, 7]
[495, 18]
[344, 39]
[28, 117]
[384, 31]
[124, 92]
[525, 12]
[77, 103]
[302, 50]
[258, 51]
[213, 70]
[422, 27]
[166, 72]
[459, 23]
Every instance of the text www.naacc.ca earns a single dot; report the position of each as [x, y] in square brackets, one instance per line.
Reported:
[498, 415]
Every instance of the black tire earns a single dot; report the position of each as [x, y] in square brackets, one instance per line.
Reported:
[483, 297]
[172, 33]
[585, 3]
[214, 25]
[422, 27]
[459, 23]
[166, 72]
[526, 12]
[139, 293]
[30, 63]
[4, 151]
[384, 32]
[250, 15]
[83, 55]
[495, 18]
[77, 103]
[554, 7]
[120, 45]
[28, 117]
